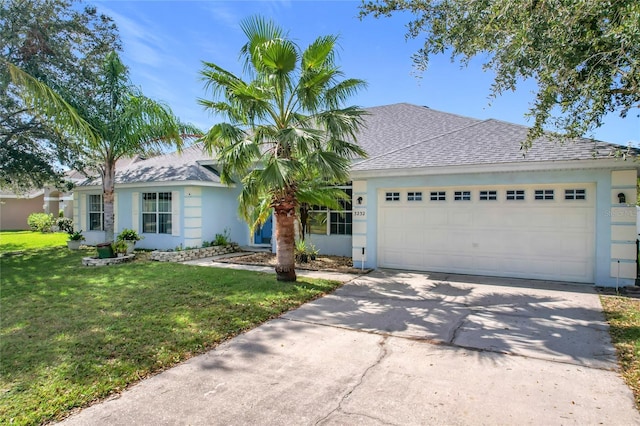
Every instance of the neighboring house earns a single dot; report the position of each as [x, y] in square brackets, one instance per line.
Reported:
[16, 208]
[438, 192]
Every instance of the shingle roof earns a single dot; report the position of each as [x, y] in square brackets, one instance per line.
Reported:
[453, 140]
[398, 136]
[391, 127]
[173, 167]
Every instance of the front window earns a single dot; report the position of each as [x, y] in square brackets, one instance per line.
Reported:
[332, 222]
[96, 213]
[156, 212]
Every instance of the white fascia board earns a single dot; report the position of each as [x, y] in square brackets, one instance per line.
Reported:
[156, 185]
[499, 168]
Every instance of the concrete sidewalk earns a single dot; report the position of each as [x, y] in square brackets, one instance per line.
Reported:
[214, 262]
[401, 348]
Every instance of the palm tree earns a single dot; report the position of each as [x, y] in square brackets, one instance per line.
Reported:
[114, 122]
[286, 122]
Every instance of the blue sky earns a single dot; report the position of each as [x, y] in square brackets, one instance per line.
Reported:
[165, 43]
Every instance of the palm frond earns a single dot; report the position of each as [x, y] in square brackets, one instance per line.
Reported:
[45, 102]
[257, 30]
[337, 95]
[320, 54]
[330, 165]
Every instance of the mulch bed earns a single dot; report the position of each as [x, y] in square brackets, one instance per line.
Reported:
[321, 263]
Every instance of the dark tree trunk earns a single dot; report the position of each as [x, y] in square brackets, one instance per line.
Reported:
[285, 216]
[304, 220]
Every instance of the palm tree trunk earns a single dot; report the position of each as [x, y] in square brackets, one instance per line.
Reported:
[108, 191]
[285, 242]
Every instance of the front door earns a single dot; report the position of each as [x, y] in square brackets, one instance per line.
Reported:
[263, 233]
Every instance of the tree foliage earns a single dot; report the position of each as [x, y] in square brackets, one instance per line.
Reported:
[62, 46]
[114, 121]
[285, 125]
[583, 54]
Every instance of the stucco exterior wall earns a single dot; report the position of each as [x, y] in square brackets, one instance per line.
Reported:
[220, 212]
[198, 214]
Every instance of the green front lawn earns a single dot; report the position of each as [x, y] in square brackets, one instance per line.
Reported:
[623, 315]
[71, 334]
[23, 240]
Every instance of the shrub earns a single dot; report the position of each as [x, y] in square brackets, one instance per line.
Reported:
[40, 222]
[301, 251]
[128, 235]
[222, 239]
[76, 236]
[120, 246]
[65, 224]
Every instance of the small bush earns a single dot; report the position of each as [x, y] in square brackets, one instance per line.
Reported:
[65, 224]
[129, 235]
[76, 236]
[222, 239]
[40, 222]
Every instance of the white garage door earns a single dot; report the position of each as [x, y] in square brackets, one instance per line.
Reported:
[541, 232]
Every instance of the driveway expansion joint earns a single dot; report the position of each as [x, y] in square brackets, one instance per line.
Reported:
[384, 352]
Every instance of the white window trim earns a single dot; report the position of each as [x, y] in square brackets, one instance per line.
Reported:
[157, 212]
[90, 212]
[327, 212]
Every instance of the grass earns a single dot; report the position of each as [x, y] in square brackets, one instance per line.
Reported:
[623, 315]
[11, 241]
[71, 335]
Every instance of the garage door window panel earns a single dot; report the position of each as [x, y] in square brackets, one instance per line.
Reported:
[392, 196]
[488, 195]
[515, 195]
[462, 196]
[575, 194]
[414, 196]
[438, 196]
[544, 194]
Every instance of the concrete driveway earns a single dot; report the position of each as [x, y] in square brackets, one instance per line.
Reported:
[401, 348]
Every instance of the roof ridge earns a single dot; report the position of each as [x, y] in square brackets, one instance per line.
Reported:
[423, 141]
